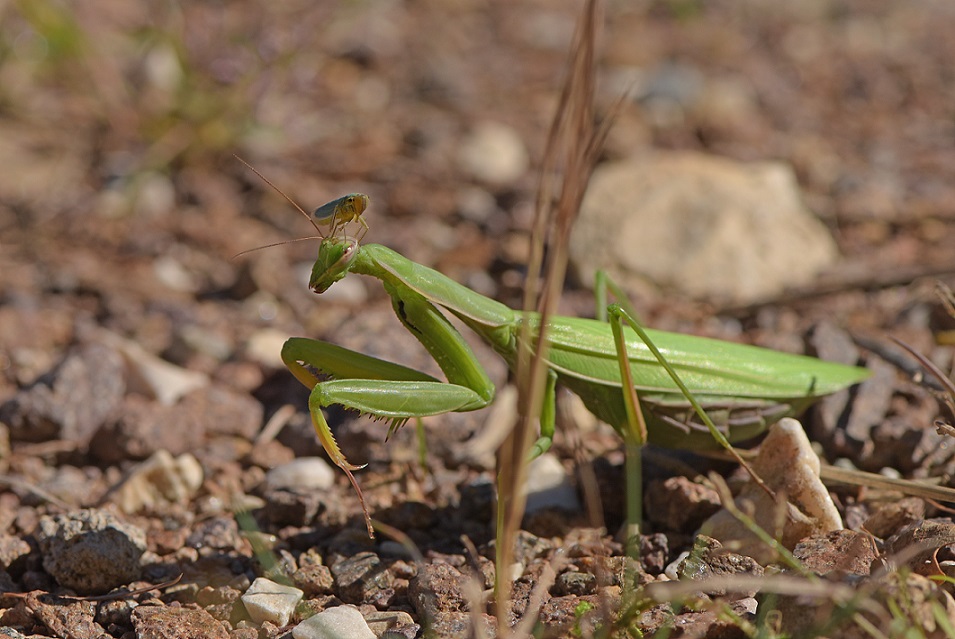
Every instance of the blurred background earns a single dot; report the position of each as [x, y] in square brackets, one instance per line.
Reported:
[122, 206]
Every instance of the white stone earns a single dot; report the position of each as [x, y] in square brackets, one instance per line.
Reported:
[303, 473]
[266, 600]
[710, 227]
[265, 347]
[153, 376]
[163, 68]
[789, 466]
[340, 622]
[481, 450]
[549, 485]
[161, 478]
[155, 195]
[174, 275]
[493, 153]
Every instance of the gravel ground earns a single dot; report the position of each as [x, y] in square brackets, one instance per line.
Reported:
[152, 441]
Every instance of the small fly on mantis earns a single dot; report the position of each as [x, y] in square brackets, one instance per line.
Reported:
[338, 213]
[742, 388]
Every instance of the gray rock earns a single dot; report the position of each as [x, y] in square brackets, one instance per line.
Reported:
[70, 402]
[144, 427]
[216, 533]
[116, 613]
[162, 622]
[575, 583]
[90, 551]
[388, 620]
[13, 552]
[225, 411]
[841, 552]
[437, 588]
[709, 560]
[361, 578]
[709, 227]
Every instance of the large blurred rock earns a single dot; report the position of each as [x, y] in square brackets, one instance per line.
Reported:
[71, 401]
[709, 227]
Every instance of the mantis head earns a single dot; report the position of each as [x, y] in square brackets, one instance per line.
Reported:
[335, 256]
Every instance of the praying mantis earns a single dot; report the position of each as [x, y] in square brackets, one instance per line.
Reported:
[742, 388]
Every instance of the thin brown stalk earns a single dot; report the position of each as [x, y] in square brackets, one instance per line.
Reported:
[936, 372]
[569, 157]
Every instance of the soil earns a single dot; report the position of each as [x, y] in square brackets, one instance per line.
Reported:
[122, 209]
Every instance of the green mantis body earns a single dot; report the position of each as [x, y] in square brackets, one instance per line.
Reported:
[743, 388]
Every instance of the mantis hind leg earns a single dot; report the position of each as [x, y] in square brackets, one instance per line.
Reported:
[547, 417]
[622, 313]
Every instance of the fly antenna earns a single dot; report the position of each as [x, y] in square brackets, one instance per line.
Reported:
[290, 201]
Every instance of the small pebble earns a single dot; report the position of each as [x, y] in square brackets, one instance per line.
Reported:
[266, 600]
[493, 153]
[361, 578]
[302, 474]
[341, 622]
[549, 485]
[265, 347]
[160, 479]
[788, 465]
[384, 620]
[173, 275]
[163, 621]
[153, 376]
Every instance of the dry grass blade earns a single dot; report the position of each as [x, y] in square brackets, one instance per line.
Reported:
[912, 487]
[925, 488]
[936, 372]
[779, 584]
[112, 596]
[569, 158]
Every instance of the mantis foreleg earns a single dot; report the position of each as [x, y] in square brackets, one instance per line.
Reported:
[384, 389]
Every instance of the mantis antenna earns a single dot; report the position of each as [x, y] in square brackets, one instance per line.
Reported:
[289, 200]
[259, 248]
[337, 213]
